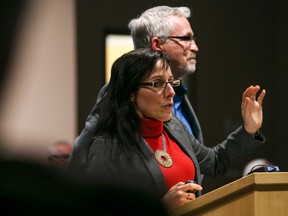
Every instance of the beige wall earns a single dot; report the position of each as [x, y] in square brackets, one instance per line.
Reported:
[115, 46]
[39, 106]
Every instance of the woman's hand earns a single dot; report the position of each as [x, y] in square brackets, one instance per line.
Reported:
[178, 195]
[251, 109]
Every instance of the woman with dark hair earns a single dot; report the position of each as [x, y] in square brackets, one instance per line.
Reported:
[139, 143]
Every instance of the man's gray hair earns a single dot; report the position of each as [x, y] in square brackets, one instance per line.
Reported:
[154, 22]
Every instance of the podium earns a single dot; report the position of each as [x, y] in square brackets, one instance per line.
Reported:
[257, 194]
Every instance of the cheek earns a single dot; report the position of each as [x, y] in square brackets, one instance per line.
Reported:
[177, 57]
[146, 104]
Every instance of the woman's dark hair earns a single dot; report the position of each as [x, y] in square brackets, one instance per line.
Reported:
[117, 115]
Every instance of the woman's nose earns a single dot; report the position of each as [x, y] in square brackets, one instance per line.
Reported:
[169, 90]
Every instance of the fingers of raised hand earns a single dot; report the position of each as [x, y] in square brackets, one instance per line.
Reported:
[250, 95]
[261, 96]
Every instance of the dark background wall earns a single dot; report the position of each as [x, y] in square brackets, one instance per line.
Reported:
[9, 15]
[241, 43]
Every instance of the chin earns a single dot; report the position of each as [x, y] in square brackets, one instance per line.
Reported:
[191, 69]
[168, 118]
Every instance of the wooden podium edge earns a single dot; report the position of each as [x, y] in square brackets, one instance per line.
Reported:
[254, 182]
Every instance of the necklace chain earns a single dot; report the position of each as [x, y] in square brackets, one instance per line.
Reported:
[161, 156]
[163, 144]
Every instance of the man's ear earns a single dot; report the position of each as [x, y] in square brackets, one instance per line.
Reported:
[156, 43]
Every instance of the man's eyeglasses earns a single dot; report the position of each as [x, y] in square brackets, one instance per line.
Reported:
[188, 38]
[161, 84]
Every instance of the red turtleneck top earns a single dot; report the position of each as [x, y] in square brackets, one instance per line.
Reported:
[182, 168]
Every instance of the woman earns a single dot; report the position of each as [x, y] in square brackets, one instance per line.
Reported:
[139, 143]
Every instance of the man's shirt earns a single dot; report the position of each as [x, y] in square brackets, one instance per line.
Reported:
[178, 109]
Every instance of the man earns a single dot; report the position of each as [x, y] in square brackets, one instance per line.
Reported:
[168, 29]
[160, 28]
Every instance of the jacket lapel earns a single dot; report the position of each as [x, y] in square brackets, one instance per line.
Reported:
[177, 131]
[153, 168]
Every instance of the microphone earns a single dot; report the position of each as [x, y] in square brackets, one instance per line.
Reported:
[191, 181]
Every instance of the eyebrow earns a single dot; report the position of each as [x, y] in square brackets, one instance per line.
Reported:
[159, 77]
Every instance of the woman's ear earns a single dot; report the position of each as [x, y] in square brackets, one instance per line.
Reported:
[132, 98]
[156, 43]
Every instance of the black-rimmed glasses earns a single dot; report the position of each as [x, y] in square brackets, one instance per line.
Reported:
[188, 38]
[161, 84]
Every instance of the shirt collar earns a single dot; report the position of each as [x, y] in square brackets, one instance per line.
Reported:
[181, 90]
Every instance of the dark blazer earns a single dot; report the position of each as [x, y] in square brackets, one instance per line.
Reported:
[78, 158]
[107, 164]
[193, 119]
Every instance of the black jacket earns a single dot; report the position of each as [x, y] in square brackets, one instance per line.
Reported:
[106, 163]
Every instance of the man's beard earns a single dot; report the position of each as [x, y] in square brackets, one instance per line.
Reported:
[191, 68]
[179, 72]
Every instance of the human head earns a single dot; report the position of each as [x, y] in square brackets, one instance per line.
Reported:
[152, 28]
[154, 97]
[59, 154]
[134, 68]
[119, 105]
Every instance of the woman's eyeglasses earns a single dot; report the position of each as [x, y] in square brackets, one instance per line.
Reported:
[161, 84]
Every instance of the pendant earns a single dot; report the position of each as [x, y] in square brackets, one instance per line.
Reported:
[163, 158]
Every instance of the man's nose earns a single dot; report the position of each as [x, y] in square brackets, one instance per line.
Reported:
[193, 46]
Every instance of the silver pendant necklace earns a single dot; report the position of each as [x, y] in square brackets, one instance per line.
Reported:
[161, 156]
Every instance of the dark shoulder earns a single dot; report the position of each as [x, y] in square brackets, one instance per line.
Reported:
[100, 143]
